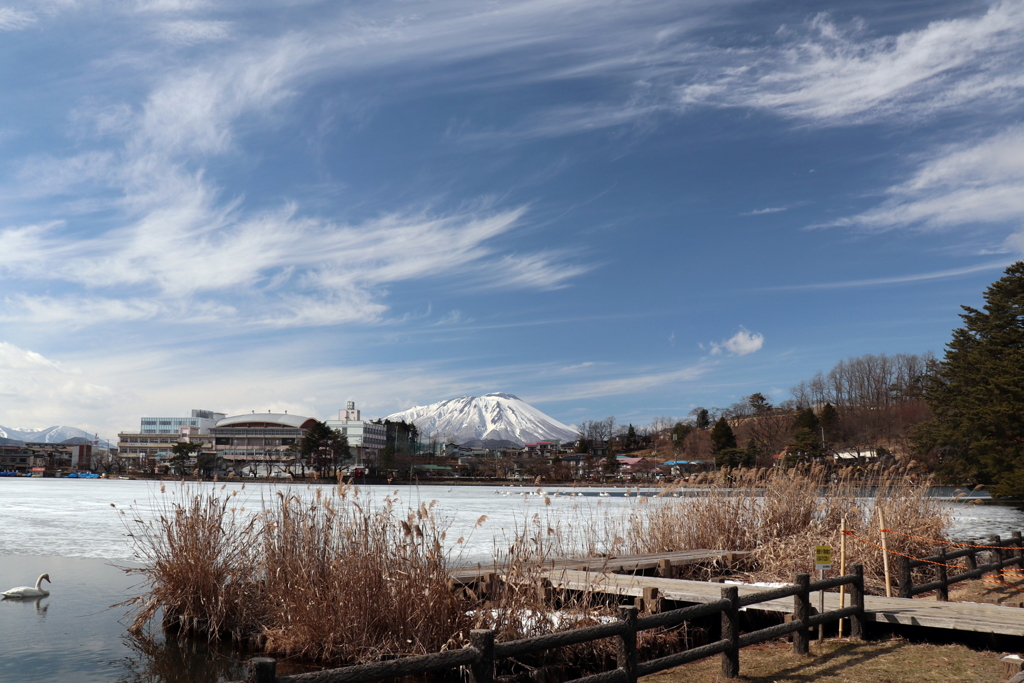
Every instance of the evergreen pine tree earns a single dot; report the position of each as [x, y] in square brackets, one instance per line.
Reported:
[806, 419]
[828, 418]
[722, 436]
[805, 444]
[632, 442]
[977, 393]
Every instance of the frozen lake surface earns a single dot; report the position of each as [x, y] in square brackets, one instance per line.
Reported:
[80, 518]
[68, 528]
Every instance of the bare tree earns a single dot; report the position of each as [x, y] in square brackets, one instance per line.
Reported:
[661, 423]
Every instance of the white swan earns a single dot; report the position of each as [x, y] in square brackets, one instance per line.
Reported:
[29, 591]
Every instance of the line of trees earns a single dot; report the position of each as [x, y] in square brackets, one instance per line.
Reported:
[961, 416]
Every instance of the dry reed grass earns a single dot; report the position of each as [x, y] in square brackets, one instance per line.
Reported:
[780, 515]
[333, 577]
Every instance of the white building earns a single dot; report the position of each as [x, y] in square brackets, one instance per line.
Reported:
[202, 420]
[365, 438]
[151, 445]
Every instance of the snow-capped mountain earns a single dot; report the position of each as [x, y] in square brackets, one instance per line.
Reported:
[489, 417]
[57, 434]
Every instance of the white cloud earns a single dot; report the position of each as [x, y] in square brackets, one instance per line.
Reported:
[37, 391]
[967, 184]
[76, 311]
[740, 344]
[898, 279]
[14, 20]
[761, 212]
[633, 381]
[530, 271]
[280, 269]
[191, 32]
[831, 74]
[179, 239]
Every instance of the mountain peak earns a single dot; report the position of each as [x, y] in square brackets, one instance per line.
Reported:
[496, 416]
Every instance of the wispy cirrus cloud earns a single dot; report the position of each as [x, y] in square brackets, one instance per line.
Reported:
[187, 32]
[14, 19]
[896, 279]
[975, 183]
[283, 269]
[828, 74]
[183, 242]
[767, 210]
[629, 381]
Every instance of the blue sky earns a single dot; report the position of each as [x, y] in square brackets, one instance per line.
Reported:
[606, 208]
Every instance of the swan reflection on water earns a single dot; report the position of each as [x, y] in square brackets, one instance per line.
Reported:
[39, 602]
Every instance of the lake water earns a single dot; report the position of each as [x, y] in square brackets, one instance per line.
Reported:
[69, 529]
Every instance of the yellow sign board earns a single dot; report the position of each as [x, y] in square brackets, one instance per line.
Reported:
[823, 557]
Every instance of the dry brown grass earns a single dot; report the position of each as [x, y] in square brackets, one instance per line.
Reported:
[842, 661]
[781, 515]
[332, 577]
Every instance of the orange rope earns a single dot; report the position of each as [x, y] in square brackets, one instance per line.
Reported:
[1003, 574]
[935, 540]
[895, 552]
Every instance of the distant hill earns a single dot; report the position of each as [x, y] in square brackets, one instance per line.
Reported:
[493, 417]
[55, 435]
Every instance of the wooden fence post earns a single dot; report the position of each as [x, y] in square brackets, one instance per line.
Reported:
[665, 568]
[943, 576]
[972, 560]
[627, 643]
[801, 613]
[906, 582]
[997, 554]
[652, 599]
[261, 670]
[483, 640]
[1016, 540]
[857, 621]
[545, 594]
[731, 632]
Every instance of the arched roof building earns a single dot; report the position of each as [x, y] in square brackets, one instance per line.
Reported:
[259, 436]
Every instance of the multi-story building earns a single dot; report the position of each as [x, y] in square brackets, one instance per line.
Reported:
[45, 456]
[202, 420]
[151, 446]
[365, 439]
[260, 444]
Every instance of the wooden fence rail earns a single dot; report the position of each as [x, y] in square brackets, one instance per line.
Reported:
[481, 655]
[1005, 553]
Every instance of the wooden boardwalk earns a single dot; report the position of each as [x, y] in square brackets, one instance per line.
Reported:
[960, 616]
[614, 564]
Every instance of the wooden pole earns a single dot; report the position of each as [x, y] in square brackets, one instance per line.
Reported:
[626, 656]
[801, 612]
[842, 569]
[731, 632]
[885, 552]
[483, 640]
[261, 670]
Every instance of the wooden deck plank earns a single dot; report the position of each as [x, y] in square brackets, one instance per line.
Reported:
[610, 564]
[960, 616]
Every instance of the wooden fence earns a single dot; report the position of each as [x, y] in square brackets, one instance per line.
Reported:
[1002, 554]
[481, 655]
